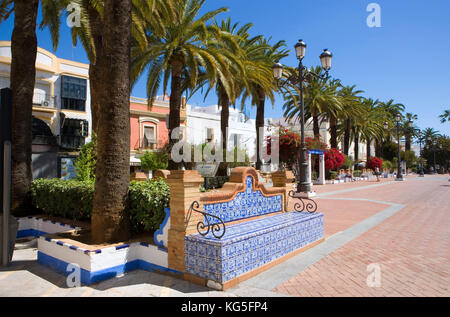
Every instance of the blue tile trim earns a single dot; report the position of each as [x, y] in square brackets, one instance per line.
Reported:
[123, 246]
[30, 233]
[161, 228]
[88, 277]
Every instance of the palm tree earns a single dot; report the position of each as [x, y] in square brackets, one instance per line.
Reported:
[179, 53]
[321, 101]
[108, 222]
[409, 131]
[371, 124]
[351, 105]
[445, 117]
[261, 56]
[23, 76]
[90, 33]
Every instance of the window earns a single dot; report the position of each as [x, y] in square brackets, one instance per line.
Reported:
[73, 93]
[149, 139]
[73, 133]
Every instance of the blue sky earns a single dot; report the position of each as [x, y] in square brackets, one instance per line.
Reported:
[407, 59]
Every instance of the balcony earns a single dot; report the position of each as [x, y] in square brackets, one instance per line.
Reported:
[44, 100]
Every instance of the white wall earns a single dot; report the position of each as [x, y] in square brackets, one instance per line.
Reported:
[201, 118]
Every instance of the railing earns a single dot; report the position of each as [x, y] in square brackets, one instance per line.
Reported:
[304, 204]
[205, 226]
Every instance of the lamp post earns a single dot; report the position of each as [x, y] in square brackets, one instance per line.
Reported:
[298, 80]
[421, 174]
[432, 146]
[398, 118]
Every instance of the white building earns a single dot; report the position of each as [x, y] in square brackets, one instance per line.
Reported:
[203, 125]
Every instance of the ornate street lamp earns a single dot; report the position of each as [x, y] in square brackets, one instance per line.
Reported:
[398, 118]
[420, 136]
[298, 80]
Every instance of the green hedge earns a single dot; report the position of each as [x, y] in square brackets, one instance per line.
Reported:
[70, 199]
[147, 201]
[74, 199]
[215, 182]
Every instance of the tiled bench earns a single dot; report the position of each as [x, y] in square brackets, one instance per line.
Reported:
[253, 231]
[249, 245]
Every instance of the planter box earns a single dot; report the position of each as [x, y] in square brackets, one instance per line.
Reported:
[101, 264]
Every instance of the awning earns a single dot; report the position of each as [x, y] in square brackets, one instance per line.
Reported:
[134, 161]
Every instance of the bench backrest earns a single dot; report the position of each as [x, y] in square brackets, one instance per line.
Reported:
[250, 201]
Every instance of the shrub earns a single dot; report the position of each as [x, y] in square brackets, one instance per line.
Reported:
[357, 173]
[147, 201]
[333, 175]
[334, 159]
[74, 200]
[86, 161]
[152, 161]
[374, 162]
[387, 165]
[63, 198]
[348, 162]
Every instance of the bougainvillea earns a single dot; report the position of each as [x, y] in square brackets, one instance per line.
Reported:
[334, 159]
[374, 162]
[289, 145]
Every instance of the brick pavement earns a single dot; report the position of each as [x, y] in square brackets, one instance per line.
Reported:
[411, 247]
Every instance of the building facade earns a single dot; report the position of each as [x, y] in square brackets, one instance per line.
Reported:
[61, 100]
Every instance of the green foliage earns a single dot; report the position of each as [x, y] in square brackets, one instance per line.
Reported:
[238, 153]
[333, 175]
[86, 161]
[215, 182]
[152, 161]
[74, 200]
[147, 201]
[410, 158]
[357, 173]
[389, 151]
[348, 162]
[387, 165]
[70, 199]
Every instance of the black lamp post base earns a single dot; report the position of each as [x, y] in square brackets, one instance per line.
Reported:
[399, 179]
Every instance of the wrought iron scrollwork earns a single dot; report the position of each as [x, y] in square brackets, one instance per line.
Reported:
[205, 226]
[304, 204]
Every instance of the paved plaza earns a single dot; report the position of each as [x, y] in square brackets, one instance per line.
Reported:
[398, 230]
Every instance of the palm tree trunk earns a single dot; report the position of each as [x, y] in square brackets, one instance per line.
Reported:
[109, 221]
[347, 136]
[175, 106]
[23, 77]
[369, 154]
[224, 102]
[316, 127]
[333, 133]
[356, 148]
[377, 148]
[95, 67]
[259, 125]
[407, 142]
